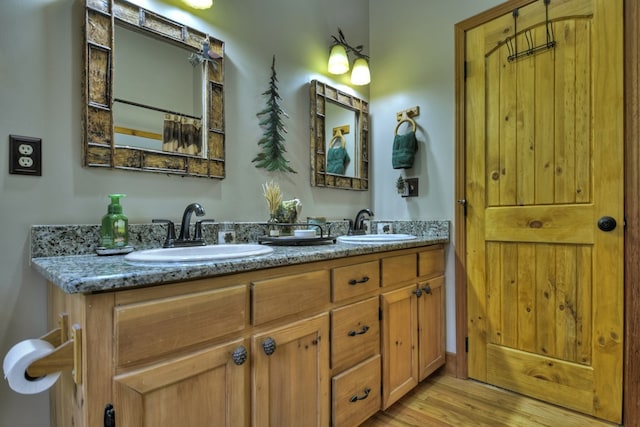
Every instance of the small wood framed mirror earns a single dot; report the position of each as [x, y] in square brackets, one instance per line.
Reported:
[338, 117]
[153, 93]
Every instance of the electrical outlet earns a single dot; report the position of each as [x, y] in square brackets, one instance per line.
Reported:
[25, 155]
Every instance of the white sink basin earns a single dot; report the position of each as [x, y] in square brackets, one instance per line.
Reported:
[196, 254]
[376, 238]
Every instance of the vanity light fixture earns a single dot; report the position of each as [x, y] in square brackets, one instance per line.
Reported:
[339, 60]
[199, 4]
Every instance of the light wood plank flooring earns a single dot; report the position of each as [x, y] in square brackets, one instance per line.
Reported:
[444, 400]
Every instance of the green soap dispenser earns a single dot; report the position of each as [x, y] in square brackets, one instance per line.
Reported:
[115, 225]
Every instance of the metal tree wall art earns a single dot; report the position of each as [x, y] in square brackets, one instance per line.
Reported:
[271, 120]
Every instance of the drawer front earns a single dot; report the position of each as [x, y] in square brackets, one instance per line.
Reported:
[353, 280]
[154, 328]
[399, 269]
[283, 296]
[431, 263]
[356, 393]
[355, 333]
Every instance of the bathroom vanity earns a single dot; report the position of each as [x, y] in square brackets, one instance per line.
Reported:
[324, 335]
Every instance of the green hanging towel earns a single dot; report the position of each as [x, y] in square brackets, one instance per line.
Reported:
[337, 156]
[404, 150]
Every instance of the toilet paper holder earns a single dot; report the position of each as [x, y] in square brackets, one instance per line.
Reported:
[66, 355]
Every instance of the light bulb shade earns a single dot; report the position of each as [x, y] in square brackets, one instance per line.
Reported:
[360, 74]
[199, 4]
[338, 60]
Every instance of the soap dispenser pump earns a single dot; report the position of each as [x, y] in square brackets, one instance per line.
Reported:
[115, 225]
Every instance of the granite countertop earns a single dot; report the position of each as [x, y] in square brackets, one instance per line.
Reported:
[65, 254]
[93, 273]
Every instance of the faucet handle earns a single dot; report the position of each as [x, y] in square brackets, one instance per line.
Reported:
[171, 231]
[197, 234]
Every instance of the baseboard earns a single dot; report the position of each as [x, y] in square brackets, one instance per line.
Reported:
[450, 364]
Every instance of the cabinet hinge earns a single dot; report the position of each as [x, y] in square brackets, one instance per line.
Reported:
[379, 314]
[109, 415]
[466, 344]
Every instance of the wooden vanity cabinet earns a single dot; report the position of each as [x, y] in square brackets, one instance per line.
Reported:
[285, 346]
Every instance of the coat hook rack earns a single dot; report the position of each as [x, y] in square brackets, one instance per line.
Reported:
[66, 355]
[512, 41]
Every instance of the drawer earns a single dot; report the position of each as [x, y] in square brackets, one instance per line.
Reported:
[283, 296]
[399, 269]
[431, 263]
[356, 393]
[353, 280]
[355, 333]
[149, 329]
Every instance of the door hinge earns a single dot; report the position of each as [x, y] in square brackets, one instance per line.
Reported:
[463, 203]
[109, 415]
[466, 344]
[464, 70]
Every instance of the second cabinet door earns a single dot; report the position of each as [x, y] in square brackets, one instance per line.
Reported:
[291, 374]
[399, 343]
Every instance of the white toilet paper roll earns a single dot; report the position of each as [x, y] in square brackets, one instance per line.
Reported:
[18, 360]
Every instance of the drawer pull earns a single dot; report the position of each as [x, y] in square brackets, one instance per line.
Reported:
[364, 279]
[427, 289]
[364, 330]
[239, 355]
[269, 346]
[355, 398]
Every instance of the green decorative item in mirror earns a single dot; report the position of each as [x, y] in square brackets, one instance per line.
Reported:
[272, 141]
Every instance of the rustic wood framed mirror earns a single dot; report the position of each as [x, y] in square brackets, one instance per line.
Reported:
[339, 139]
[127, 124]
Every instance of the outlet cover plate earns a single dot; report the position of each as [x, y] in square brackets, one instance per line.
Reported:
[25, 155]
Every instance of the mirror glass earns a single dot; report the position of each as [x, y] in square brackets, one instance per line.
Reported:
[339, 139]
[157, 95]
[153, 92]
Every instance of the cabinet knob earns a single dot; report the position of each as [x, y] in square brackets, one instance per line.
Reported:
[427, 289]
[269, 346]
[417, 293]
[365, 279]
[364, 330]
[355, 397]
[239, 355]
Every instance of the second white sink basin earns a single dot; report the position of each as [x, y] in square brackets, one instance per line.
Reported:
[195, 254]
[376, 238]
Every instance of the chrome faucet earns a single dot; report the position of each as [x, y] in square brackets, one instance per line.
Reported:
[186, 220]
[357, 225]
[184, 239]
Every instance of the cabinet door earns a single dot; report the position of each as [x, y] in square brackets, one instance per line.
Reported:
[206, 388]
[431, 323]
[291, 374]
[399, 343]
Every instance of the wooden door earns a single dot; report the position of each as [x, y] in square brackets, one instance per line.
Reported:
[544, 163]
[206, 388]
[291, 374]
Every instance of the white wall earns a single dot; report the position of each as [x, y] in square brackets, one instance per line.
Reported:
[412, 64]
[40, 96]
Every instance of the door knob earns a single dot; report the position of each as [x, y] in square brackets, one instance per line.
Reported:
[606, 223]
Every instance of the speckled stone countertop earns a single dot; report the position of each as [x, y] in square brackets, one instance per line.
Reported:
[85, 272]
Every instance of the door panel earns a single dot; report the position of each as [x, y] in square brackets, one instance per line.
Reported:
[544, 150]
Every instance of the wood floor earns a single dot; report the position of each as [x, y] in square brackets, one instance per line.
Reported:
[447, 401]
